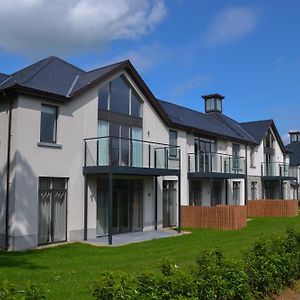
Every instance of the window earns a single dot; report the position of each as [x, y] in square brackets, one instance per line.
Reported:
[235, 156]
[52, 210]
[118, 96]
[196, 191]
[253, 190]
[236, 193]
[173, 142]
[269, 140]
[48, 124]
[213, 104]
[252, 162]
[103, 97]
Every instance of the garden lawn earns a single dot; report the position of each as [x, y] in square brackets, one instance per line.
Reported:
[69, 270]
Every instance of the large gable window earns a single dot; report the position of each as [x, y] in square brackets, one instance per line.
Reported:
[118, 96]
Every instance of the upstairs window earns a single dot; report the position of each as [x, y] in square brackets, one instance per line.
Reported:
[252, 161]
[269, 140]
[173, 142]
[119, 96]
[48, 124]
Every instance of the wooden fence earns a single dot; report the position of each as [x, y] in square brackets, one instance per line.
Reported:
[272, 208]
[227, 217]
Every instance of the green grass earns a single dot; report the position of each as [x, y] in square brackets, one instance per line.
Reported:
[68, 271]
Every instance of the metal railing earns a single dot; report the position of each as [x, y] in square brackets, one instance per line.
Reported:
[278, 169]
[126, 152]
[213, 162]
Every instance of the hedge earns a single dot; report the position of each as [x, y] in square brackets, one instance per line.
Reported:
[266, 268]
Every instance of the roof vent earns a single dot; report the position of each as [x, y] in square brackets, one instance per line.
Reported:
[294, 136]
[213, 103]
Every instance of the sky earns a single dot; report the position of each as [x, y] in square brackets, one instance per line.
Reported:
[248, 51]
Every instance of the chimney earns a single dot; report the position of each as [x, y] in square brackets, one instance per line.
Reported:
[294, 136]
[213, 103]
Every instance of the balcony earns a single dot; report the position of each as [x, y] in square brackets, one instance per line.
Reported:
[278, 169]
[130, 156]
[219, 164]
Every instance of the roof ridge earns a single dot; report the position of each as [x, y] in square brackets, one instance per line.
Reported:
[97, 69]
[238, 124]
[43, 67]
[30, 66]
[68, 63]
[266, 120]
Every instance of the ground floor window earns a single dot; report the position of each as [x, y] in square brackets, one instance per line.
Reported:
[127, 206]
[253, 190]
[52, 210]
[169, 203]
[196, 193]
[236, 193]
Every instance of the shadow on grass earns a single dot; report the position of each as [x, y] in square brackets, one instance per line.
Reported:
[18, 260]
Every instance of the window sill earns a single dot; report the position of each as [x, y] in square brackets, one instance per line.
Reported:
[49, 145]
[252, 167]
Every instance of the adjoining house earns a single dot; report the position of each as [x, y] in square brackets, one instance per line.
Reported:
[89, 154]
[294, 153]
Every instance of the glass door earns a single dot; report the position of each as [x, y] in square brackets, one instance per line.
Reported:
[127, 206]
[52, 210]
[169, 203]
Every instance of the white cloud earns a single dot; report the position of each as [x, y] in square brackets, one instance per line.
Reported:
[145, 58]
[230, 25]
[191, 84]
[39, 27]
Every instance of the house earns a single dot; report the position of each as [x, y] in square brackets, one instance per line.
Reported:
[88, 154]
[294, 148]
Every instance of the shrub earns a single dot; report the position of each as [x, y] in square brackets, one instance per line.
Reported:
[9, 291]
[218, 278]
[113, 286]
[267, 267]
[272, 264]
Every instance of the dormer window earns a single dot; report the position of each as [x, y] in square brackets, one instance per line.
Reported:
[213, 103]
[294, 136]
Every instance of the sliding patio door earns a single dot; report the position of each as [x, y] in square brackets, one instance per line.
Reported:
[127, 206]
[52, 210]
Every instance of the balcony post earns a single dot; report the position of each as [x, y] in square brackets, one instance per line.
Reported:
[149, 156]
[246, 175]
[155, 204]
[189, 163]
[109, 207]
[85, 207]
[226, 191]
[97, 163]
[85, 153]
[179, 204]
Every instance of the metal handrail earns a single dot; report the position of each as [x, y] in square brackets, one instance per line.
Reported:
[218, 153]
[129, 139]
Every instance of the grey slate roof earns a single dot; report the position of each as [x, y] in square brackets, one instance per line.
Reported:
[3, 77]
[294, 148]
[257, 129]
[55, 76]
[88, 77]
[210, 123]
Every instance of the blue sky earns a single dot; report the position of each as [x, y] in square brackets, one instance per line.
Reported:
[246, 50]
